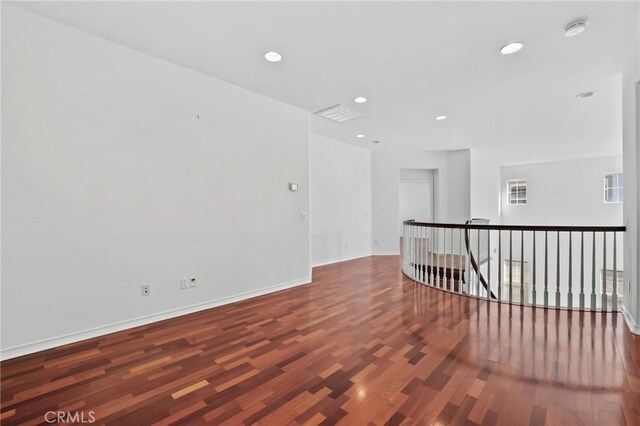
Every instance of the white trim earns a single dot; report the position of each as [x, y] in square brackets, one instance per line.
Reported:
[344, 259]
[387, 253]
[40, 345]
[633, 327]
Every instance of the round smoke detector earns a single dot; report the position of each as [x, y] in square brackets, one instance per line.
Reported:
[575, 28]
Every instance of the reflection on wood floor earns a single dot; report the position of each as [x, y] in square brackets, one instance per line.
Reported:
[360, 345]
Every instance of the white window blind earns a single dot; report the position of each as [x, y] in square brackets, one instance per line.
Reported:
[613, 188]
[517, 191]
[609, 285]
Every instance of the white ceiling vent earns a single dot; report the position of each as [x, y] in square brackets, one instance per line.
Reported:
[340, 113]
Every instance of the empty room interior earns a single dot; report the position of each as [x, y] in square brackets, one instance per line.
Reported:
[320, 213]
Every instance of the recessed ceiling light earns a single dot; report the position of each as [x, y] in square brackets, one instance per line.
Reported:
[441, 117]
[575, 28]
[360, 100]
[510, 48]
[273, 56]
[360, 136]
[585, 95]
[375, 141]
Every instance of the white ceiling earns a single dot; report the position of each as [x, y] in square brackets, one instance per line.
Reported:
[412, 60]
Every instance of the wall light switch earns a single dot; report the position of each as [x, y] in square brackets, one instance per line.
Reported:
[192, 282]
[304, 216]
[184, 283]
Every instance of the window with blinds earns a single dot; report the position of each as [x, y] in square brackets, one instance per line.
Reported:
[517, 191]
[608, 277]
[518, 270]
[613, 188]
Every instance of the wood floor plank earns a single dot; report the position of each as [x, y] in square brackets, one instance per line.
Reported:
[360, 345]
[189, 389]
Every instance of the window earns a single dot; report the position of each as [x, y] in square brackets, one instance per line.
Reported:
[609, 286]
[517, 191]
[613, 188]
[517, 268]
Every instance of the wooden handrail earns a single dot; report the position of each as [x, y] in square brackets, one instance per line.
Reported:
[550, 228]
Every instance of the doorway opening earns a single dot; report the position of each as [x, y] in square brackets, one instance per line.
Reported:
[416, 196]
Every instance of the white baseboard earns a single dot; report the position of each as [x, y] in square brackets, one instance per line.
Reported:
[53, 342]
[343, 259]
[633, 326]
[387, 253]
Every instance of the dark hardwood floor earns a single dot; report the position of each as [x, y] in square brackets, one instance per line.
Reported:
[361, 345]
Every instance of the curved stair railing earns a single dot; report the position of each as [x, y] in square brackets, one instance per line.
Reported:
[475, 263]
[573, 267]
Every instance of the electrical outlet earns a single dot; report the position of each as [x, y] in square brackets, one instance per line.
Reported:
[184, 283]
[192, 282]
[146, 289]
[304, 216]
[376, 241]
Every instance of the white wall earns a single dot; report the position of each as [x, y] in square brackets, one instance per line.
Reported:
[630, 86]
[109, 181]
[385, 202]
[416, 195]
[451, 190]
[484, 170]
[458, 186]
[340, 203]
[563, 193]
